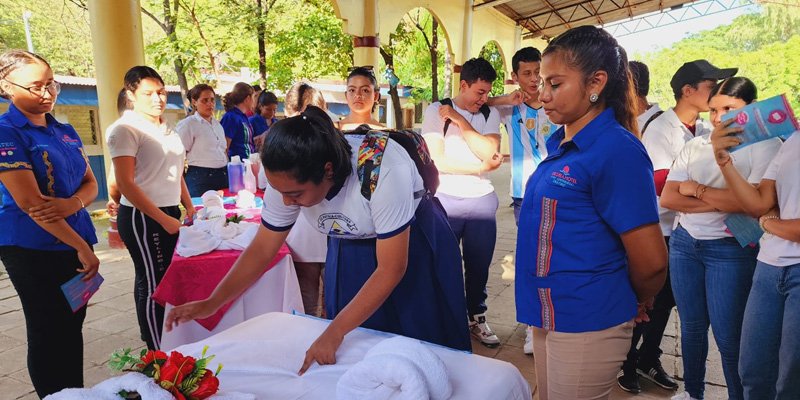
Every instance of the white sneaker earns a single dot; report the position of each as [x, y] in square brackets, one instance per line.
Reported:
[528, 347]
[683, 396]
[481, 331]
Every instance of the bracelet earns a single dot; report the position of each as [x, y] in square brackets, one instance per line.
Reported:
[79, 200]
[698, 192]
[763, 221]
[726, 162]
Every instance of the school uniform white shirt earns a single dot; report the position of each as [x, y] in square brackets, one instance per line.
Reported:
[696, 162]
[645, 116]
[456, 148]
[204, 141]
[159, 157]
[528, 129]
[663, 140]
[348, 215]
[785, 171]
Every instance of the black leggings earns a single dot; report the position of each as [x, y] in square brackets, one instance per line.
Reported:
[55, 338]
[151, 248]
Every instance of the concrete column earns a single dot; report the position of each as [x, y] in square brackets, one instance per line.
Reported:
[517, 38]
[366, 50]
[117, 46]
[466, 46]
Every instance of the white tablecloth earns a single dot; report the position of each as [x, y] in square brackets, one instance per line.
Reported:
[276, 290]
[262, 356]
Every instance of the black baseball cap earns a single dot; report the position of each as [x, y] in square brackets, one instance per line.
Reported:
[699, 70]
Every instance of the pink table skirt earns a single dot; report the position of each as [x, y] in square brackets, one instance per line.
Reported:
[194, 278]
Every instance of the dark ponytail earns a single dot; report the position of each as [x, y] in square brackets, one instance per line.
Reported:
[590, 49]
[303, 144]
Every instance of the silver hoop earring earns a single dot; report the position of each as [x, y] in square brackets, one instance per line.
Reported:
[593, 97]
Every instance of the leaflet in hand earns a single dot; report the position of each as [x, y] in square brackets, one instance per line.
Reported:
[744, 228]
[762, 120]
[79, 292]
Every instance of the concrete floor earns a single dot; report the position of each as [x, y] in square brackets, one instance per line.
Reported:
[111, 320]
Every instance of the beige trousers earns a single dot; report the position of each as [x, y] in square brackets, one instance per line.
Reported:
[572, 366]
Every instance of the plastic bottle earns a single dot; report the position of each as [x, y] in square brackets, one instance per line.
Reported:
[235, 175]
[249, 178]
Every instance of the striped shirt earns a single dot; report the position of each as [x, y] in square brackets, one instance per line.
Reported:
[528, 129]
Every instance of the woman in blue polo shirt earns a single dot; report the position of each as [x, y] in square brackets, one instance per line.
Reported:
[589, 247]
[238, 131]
[47, 235]
[266, 109]
[393, 262]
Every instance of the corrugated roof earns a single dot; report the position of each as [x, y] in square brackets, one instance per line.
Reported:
[83, 81]
[549, 18]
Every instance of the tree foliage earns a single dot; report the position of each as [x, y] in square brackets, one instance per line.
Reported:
[491, 52]
[765, 46]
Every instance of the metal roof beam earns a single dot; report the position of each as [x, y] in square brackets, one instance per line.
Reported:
[489, 3]
[675, 15]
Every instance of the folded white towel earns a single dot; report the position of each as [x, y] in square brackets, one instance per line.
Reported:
[108, 389]
[396, 368]
[212, 198]
[193, 241]
[232, 396]
[245, 199]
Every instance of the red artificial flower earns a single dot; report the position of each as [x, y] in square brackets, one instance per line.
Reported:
[177, 393]
[208, 385]
[152, 356]
[175, 369]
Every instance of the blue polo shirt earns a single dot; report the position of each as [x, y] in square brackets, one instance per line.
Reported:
[55, 156]
[259, 124]
[238, 129]
[572, 271]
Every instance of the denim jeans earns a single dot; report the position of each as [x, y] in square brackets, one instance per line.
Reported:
[770, 359]
[201, 179]
[711, 280]
[475, 225]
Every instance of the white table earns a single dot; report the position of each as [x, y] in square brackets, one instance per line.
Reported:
[262, 355]
[276, 290]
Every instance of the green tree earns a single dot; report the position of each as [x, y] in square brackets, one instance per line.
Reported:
[490, 52]
[765, 46]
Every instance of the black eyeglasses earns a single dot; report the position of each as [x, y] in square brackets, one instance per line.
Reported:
[54, 88]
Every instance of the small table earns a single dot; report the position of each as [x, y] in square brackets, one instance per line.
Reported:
[194, 278]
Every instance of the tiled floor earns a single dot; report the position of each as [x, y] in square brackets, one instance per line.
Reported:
[111, 321]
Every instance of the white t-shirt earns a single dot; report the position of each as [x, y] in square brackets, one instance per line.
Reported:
[696, 162]
[456, 148]
[663, 140]
[204, 141]
[642, 119]
[785, 171]
[159, 157]
[348, 215]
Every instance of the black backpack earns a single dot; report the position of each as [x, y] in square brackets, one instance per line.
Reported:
[370, 156]
[449, 102]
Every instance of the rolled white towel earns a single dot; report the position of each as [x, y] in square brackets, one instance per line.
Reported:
[193, 240]
[212, 198]
[383, 377]
[394, 356]
[245, 199]
[147, 388]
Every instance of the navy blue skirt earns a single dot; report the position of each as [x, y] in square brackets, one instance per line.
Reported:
[428, 304]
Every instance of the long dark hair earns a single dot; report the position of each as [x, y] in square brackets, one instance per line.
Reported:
[135, 75]
[240, 92]
[590, 49]
[738, 87]
[303, 144]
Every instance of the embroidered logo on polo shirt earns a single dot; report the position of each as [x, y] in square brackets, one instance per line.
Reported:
[340, 224]
[562, 178]
[70, 141]
[7, 148]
